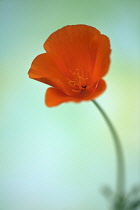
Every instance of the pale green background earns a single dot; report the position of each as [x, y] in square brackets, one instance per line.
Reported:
[59, 158]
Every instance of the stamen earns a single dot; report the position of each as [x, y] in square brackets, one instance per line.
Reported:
[76, 91]
[79, 82]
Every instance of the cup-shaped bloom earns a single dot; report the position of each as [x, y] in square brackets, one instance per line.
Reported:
[77, 58]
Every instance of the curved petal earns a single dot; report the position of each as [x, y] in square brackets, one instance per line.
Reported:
[99, 90]
[102, 60]
[45, 70]
[71, 44]
[55, 97]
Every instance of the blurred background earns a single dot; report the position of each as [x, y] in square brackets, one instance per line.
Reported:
[60, 158]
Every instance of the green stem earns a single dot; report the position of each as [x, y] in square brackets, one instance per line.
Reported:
[119, 153]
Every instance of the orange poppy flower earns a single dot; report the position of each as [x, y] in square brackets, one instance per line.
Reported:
[76, 59]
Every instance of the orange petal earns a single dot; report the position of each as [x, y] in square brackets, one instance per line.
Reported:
[55, 97]
[71, 44]
[45, 70]
[102, 59]
[98, 91]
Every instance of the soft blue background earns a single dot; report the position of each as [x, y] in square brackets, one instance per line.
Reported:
[59, 158]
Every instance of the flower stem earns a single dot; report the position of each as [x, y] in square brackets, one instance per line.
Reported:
[119, 153]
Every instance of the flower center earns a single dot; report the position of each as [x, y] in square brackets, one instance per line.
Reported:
[79, 82]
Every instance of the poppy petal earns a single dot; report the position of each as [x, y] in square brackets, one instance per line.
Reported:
[55, 97]
[100, 89]
[102, 59]
[71, 44]
[45, 70]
